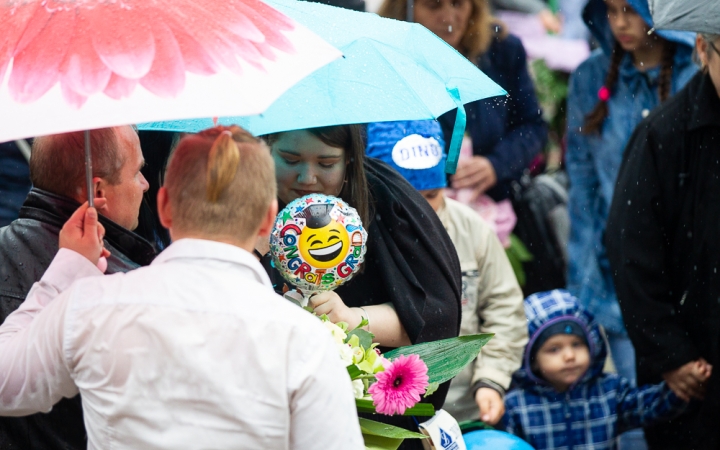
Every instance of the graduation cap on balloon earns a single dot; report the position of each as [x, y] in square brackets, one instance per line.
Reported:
[316, 216]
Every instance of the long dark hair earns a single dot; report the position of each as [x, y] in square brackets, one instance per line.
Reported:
[355, 188]
[595, 119]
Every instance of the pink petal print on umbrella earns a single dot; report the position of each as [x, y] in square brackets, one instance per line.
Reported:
[124, 42]
[119, 87]
[12, 26]
[82, 70]
[36, 66]
[93, 46]
[167, 74]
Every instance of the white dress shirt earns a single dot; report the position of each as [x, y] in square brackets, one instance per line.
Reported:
[194, 351]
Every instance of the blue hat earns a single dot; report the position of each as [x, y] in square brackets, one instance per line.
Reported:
[567, 326]
[414, 148]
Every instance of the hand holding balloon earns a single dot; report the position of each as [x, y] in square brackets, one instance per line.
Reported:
[331, 305]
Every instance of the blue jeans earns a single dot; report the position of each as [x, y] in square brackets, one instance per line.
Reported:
[623, 356]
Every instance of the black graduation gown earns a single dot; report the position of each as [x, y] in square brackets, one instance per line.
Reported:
[663, 243]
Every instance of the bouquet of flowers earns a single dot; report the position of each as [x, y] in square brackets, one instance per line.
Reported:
[395, 382]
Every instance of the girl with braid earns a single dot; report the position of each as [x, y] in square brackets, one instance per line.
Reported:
[610, 93]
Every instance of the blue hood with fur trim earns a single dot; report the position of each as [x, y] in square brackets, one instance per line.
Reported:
[595, 17]
[547, 308]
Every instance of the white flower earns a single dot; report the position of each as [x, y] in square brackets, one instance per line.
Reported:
[358, 388]
[346, 354]
[358, 355]
[337, 332]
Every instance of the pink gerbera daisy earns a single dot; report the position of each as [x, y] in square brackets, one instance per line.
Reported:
[400, 385]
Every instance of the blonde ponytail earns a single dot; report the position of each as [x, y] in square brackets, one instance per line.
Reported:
[223, 162]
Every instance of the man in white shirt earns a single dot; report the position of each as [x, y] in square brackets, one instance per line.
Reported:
[194, 351]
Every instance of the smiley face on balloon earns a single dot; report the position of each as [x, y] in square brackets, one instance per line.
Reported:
[318, 242]
[324, 241]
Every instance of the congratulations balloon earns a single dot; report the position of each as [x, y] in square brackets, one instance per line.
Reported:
[318, 242]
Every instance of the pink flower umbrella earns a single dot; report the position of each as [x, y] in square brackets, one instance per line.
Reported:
[94, 46]
[68, 65]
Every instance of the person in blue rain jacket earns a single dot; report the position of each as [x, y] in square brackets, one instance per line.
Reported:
[610, 93]
[562, 399]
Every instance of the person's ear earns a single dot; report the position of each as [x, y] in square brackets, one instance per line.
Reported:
[164, 209]
[269, 220]
[701, 47]
[100, 190]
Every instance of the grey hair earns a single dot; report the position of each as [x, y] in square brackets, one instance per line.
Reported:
[709, 38]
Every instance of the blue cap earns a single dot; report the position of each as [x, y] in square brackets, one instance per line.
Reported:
[563, 326]
[414, 148]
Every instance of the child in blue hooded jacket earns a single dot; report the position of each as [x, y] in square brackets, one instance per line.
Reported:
[562, 399]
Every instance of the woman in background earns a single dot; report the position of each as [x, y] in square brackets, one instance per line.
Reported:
[507, 133]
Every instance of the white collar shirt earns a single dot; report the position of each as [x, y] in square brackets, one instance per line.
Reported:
[194, 351]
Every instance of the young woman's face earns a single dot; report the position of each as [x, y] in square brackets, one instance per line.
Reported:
[305, 165]
[446, 18]
[629, 29]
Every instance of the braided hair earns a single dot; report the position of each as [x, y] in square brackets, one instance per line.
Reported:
[596, 117]
[594, 120]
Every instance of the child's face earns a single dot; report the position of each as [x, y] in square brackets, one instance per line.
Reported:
[562, 360]
[435, 197]
[628, 27]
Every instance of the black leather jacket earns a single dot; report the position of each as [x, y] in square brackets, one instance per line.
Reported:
[27, 246]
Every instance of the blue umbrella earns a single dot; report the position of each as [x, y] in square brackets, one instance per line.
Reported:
[391, 70]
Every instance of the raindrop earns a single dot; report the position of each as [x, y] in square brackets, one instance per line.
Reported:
[449, 28]
[629, 202]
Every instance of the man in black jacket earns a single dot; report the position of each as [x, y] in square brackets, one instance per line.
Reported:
[28, 245]
[663, 242]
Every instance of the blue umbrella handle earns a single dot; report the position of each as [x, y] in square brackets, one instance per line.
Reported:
[458, 132]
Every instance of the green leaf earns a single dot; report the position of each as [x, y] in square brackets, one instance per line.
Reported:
[365, 406]
[364, 336]
[445, 358]
[354, 371]
[363, 323]
[374, 428]
[421, 409]
[519, 249]
[473, 425]
[373, 442]
[432, 387]
[518, 254]
[517, 267]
